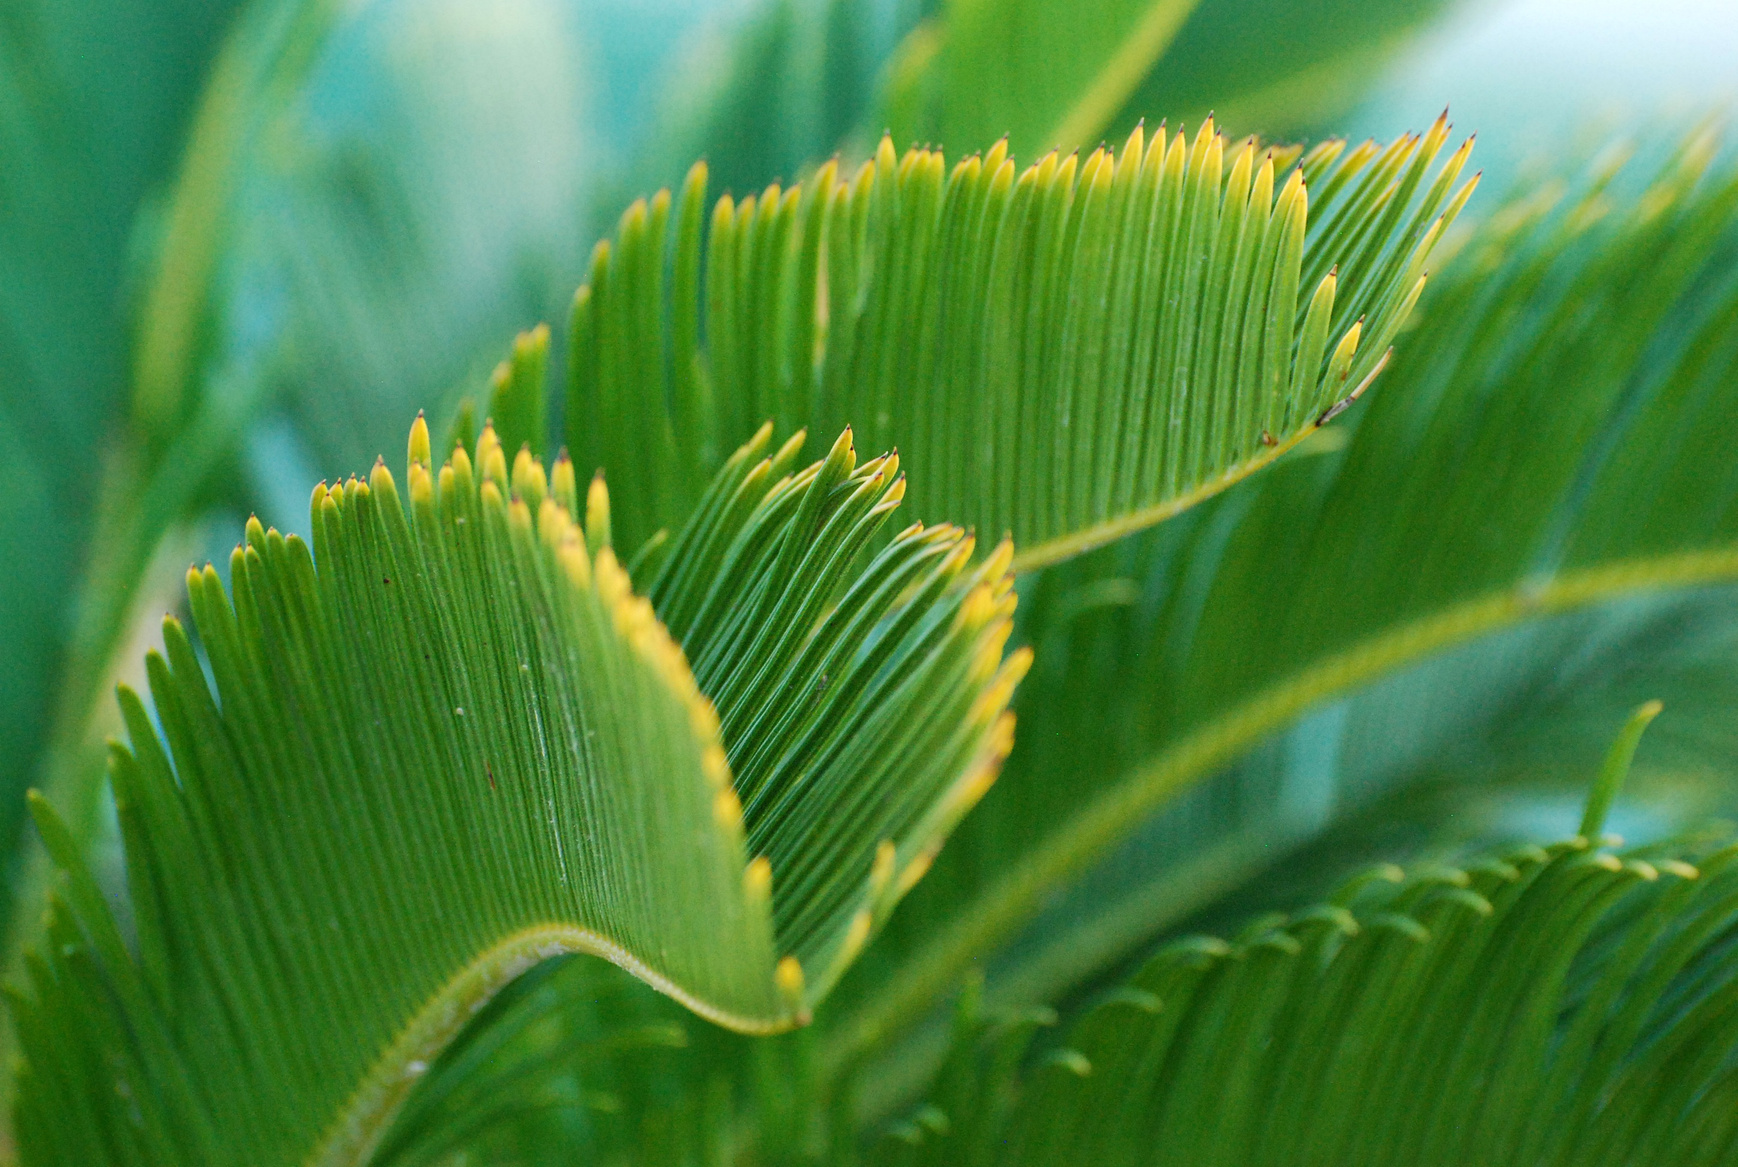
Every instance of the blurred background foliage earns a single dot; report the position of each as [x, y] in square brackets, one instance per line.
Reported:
[241, 242]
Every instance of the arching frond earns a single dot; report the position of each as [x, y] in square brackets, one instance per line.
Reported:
[1564, 1004]
[1553, 438]
[1071, 352]
[451, 742]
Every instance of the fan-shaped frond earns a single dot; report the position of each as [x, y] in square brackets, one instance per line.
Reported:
[1554, 436]
[1565, 1004]
[451, 742]
[1071, 352]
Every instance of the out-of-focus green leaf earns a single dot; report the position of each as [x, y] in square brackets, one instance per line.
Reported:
[419, 197]
[93, 98]
[1478, 493]
[764, 91]
[1068, 75]
[1043, 73]
[1280, 67]
[393, 180]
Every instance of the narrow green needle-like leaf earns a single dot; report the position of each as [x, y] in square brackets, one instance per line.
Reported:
[1615, 770]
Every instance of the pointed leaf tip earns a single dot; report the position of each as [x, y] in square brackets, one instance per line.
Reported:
[1615, 769]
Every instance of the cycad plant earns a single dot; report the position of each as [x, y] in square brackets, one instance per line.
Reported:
[620, 779]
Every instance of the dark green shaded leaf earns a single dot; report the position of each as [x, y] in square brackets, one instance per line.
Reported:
[1542, 1005]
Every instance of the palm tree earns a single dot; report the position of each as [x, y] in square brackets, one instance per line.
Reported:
[619, 777]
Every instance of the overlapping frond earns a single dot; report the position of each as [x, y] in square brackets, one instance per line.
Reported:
[1564, 1004]
[451, 741]
[1553, 437]
[1071, 352]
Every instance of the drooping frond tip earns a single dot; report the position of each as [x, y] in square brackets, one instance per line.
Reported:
[451, 740]
[1070, 351]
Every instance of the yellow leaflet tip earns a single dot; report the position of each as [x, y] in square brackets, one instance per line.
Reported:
[727, 809]
[757, 879]
[915, 871]
[1001, 559]
[993, 701]
[562, 485]
[577, 564]
[380, 478]
[529, 481]
[789, 976]
[597, 512]
[962, 552]
[881, 874]
[490, 460]
[419, 450]
[1348, 346]
[714, 763]
[979, 606]
[856, 935]
[421, 485]
[552, 524]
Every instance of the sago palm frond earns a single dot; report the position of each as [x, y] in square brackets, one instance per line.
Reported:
[1070, 352]
[451, 742]
[1552, 437]
[1564, 1004]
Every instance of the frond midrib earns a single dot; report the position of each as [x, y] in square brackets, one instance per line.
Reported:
[1005, 905]
[1053, 551]
[356, 1134]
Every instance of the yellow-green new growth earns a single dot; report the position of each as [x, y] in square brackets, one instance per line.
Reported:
[1070, 352]
[457, 736]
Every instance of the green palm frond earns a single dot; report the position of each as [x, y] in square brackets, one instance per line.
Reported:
[1552, 438]
[1561, 1004]
[1071, 352]
[451, 742]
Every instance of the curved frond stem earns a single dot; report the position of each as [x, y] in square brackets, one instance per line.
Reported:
[994, 914]
[367, 1117]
